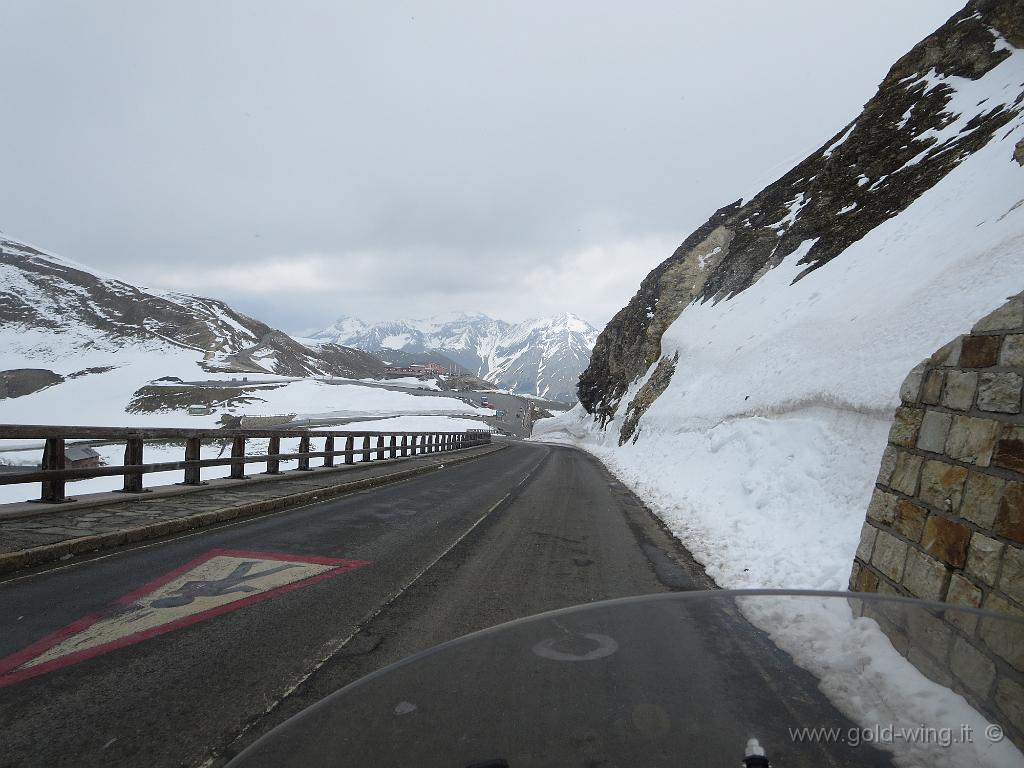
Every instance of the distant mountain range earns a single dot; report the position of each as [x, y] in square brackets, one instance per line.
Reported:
[61, 320]
[542, 357]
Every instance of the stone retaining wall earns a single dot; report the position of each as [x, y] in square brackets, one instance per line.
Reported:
[946, 520]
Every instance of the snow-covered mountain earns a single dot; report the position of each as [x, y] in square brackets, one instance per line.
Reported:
[747, 389]
[542, 357]
[61, 320]
[467, 338]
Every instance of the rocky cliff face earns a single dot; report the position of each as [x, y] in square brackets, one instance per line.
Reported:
[941, 102]
[53, 308]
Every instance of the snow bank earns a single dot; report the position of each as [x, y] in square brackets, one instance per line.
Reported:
[752, 498]
[762, 452]
[769, 436]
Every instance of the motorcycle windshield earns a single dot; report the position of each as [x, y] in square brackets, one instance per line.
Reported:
[686, 679]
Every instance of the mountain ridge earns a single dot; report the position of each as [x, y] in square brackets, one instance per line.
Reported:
[943, 101]
[54, 310]
[542, 356]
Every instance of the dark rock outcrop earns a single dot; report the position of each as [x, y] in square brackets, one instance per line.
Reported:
[866, 174]
[19, 382]
[647, 394]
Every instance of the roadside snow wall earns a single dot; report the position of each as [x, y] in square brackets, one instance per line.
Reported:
[946, 518]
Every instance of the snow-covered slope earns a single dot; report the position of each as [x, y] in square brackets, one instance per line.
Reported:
[746, 390]
[541, 357]
[76, 344]
[54, 311]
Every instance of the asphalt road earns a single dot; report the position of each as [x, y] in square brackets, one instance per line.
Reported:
[182, 652]
[517, 420]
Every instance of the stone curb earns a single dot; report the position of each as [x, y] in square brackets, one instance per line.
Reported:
[13, 561]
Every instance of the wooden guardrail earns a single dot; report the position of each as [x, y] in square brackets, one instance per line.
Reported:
[374, 446]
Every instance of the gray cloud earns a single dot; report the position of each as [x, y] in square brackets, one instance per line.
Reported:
[306, 159]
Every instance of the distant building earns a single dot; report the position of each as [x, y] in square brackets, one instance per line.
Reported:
[418, 369]
[199, 410]
[81, 456]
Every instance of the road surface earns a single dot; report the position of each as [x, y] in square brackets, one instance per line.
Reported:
[183, 651]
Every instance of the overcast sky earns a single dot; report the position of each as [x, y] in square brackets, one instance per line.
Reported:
[302, 160]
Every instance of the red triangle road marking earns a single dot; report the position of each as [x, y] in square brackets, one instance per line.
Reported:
[212, 584]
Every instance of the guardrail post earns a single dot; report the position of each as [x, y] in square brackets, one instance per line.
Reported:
[393, 448]
[304, 449]
[380, 447]
[238, 452]
[273, 463]
[405, 445]
[133, 448]
[366, 448]
[53, 458]
[328, 447]
[349, 443]
[193, 449]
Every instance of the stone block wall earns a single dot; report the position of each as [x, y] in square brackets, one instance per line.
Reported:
[946, 520]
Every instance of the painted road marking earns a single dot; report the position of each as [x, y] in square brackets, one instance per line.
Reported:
[212, 584]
